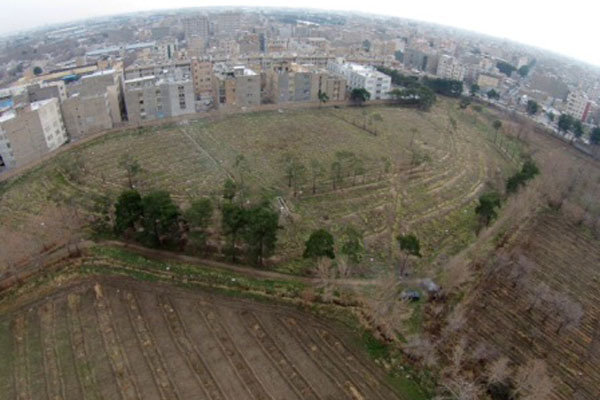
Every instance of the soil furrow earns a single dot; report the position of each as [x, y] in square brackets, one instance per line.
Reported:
[21, 373]
[150, 350]
[188, 349]
[54, 383]
[279, 358]
[237, 360]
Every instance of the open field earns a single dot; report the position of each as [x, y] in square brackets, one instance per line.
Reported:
[433, 196]
[115, 338]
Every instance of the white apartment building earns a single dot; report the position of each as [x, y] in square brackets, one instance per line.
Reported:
[359, 76]
[449, 68]
[578, 105]
[28, 132]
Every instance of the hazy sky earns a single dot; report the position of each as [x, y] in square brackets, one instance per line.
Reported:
[569, 27]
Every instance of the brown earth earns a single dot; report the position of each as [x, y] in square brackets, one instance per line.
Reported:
[118, 338]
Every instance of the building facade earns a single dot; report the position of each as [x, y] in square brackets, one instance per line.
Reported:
[578, 105]
[236, 86]
[29, 132]
[149, 98]
[358, 76]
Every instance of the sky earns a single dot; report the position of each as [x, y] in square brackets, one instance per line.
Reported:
[571, 28]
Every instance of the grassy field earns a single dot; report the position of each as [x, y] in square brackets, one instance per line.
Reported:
[433, 197]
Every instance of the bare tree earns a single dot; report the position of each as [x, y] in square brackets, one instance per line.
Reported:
[570, 312]
[461, 388]
[532, 381]
[498, 371]
[421, 347]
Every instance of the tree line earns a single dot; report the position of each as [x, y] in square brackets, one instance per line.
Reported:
[489, 202]
[155, 220]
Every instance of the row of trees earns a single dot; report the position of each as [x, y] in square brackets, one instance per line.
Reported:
[321, 244]
[445, 87]
[156, 221]
[346, 166]
[491, 201]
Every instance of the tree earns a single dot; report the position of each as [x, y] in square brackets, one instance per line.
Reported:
[366, 45]
[260, 232]
[410, 246]
[565, 122]
[198, 216]
[532, 107]
[493, 95]
[550, 115]
[506, 68]
[132, 168]
[398, 55]
[359, 95]
[37, 71]
[352, 246]
[323, 98]
[497, 124]
[316, 171]
[464, 103]
[577, 129]
[532, 381]
[486, 209]
[523, 71]
[160, 219]
[229, 189]
[233, 221]
[319, 244]
[474, 89]
[336, 173]
[445, 87]
[295, 171]
[595, 136]
[128, 210]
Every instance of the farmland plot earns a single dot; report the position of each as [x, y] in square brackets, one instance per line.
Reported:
[522, 314]
[116, 338]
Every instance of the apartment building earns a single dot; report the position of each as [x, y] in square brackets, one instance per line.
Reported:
[290, 82]
[47, 90]
[27, 132]
[228, 23]
[358, 76]
[180, 69]
[449, 68]
[149, 98]
[196, 26]
[202, 72]
[578, 105]
[236, 86]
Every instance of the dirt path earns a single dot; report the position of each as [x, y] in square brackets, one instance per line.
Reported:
[248, 271]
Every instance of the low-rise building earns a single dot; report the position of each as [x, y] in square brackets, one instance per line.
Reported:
[358, 76]
[488, 81]
[28, 132]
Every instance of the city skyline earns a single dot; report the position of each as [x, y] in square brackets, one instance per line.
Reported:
[563, 31]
